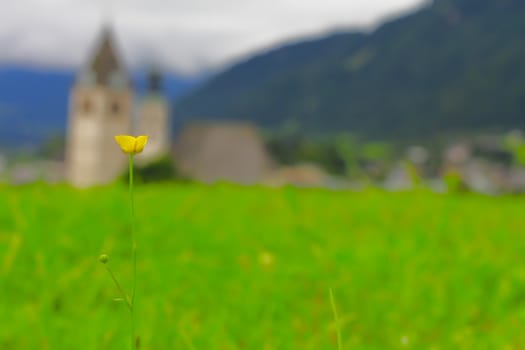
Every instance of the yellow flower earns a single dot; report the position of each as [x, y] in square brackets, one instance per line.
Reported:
[130, 144]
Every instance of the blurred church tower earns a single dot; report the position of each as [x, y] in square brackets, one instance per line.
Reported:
[153, 120]
[99, 108]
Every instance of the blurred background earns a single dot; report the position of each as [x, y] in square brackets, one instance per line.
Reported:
[336, 94]
[375, 147]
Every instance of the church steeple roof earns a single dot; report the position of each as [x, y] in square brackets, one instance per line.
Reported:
[104, 66]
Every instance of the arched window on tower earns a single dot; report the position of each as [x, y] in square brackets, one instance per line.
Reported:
[115, 107]
[85, 106]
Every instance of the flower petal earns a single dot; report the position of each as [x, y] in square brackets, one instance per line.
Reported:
[126, 143]
[140, 142]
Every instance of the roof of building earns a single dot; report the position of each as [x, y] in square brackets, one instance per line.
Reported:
[209, 152]
[104, 66]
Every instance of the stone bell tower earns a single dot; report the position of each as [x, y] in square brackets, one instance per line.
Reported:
[100, 106]
[154, 120]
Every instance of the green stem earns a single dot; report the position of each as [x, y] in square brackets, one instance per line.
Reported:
[133, 339]
[133, 242]
[337, 323]
[124, 295]
[133, 252]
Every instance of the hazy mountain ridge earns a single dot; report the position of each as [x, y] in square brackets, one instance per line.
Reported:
[454, 65]
[34, 103]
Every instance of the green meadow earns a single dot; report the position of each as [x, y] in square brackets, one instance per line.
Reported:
[231, 267]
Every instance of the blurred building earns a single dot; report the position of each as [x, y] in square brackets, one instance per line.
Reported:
[103, 104]
[153, 112]
[211, 152]
[302, 175]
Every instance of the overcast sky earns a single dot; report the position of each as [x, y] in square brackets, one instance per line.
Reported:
[183, 36]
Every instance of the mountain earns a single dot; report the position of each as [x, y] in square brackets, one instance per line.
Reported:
[34, 103]
[453, 66]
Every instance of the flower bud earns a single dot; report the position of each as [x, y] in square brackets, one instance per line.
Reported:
[104, 258]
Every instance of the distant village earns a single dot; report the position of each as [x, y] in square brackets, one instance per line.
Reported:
[102, 104]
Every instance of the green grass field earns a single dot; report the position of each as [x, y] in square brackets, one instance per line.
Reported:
[230, 267]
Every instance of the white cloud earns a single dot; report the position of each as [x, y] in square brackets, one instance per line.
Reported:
[180, 35]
